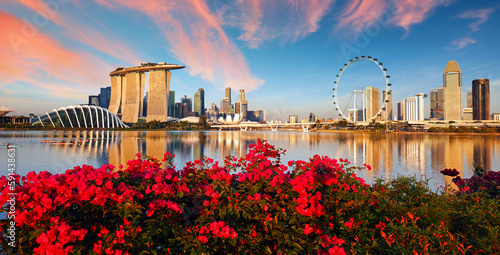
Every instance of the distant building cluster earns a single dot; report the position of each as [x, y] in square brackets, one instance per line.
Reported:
[446, 100]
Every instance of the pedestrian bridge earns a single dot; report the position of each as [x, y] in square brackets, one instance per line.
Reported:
[273, 126]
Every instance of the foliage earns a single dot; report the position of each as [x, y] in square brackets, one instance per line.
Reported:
[251, 205]
[341, 123]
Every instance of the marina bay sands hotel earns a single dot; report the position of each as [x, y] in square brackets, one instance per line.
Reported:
[127, 91]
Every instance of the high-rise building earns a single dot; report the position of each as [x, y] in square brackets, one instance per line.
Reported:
[145, 108]
[387, 114]
[171, 103]
[224, 106]
[242, 105]
[214, 112]
[94, 100]
[312, 117]
[401, 111]
[293, 119]
[412, 108]
[228, 94]
[104, 97]
[188, 104]
[127, 91]
[199, 102]
[434, 103]
[372, 103]
[481, 99]
[452, 83]
[469, 98]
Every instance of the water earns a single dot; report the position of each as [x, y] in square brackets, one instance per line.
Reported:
[389, 154]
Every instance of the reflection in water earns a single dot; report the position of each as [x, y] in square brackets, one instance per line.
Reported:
[389, 154]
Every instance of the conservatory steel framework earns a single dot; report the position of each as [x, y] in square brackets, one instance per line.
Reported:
[80, 116]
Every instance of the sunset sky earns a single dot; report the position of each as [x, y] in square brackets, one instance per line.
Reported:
[284, 53]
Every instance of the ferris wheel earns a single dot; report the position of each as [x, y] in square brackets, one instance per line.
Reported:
[385, 99]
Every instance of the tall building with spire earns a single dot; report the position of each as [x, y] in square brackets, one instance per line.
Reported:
[452, 83]
[242, 106]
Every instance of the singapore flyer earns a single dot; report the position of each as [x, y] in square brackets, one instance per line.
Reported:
[362, 92]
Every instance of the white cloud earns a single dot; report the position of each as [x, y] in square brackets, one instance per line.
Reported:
[461, 43]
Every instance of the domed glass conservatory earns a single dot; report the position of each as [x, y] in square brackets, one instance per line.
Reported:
[80, 116]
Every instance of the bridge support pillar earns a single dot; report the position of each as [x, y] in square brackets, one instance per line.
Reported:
[243, 129]
[305, 127]
[275, 128]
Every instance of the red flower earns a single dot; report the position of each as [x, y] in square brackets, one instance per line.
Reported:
[308, 229]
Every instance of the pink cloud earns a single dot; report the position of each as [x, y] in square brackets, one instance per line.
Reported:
[288, 20]
[359, 13]
[40, 60]
[81, 32]
[196, 37]
[409, 12]
[481, 15]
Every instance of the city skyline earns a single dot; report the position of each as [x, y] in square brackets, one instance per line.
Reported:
[273, 59]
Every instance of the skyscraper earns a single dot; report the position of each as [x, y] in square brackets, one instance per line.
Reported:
[452, 82]
[481, 99]
[242, 105]
[171, 103]
[188, 103]
[372, 103]
[387, 114]
[312, 117]
[434, 103]
[104, 97]
[199, 102]
[228, 94]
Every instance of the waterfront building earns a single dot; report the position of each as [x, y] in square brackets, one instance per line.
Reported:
[467, 114]
[257, 116]
[452, 83]
[80, 116]
[171, 103]
[94, 100]
[495, 116]
[412, 108]
[127, 90]
[372, 103]
[199, 102]
[293, 119]
[481, 99]
[387, 114]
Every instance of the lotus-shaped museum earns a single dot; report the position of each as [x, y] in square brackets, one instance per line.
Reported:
[230, 120]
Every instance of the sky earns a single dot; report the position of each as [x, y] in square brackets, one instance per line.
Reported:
[286, 54]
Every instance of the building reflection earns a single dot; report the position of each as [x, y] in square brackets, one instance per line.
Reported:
[389, 154]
